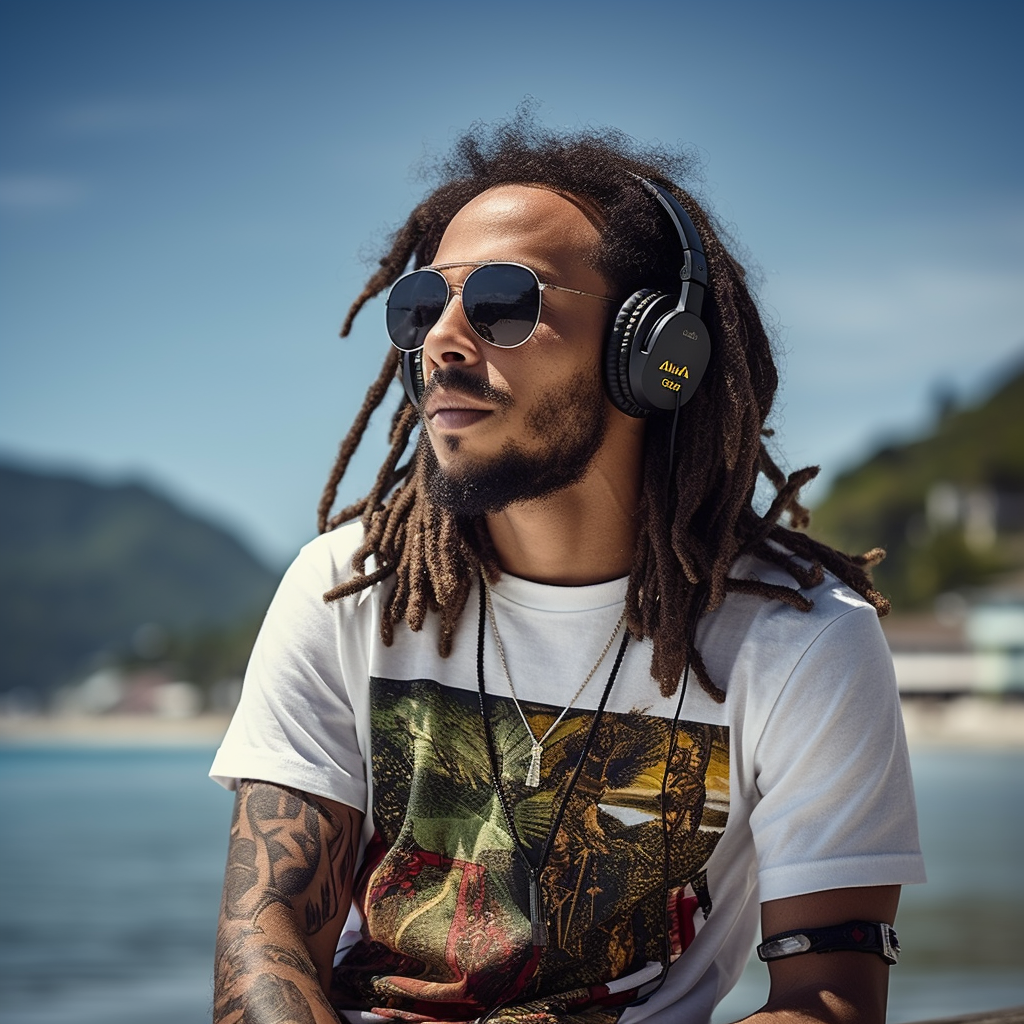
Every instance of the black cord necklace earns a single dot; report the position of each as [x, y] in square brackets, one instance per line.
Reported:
[666, 959]
[538, 922]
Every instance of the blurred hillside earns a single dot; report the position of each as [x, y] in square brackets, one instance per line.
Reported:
[94, 574]
[948, 508]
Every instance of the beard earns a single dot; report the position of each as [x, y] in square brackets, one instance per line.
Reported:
[568, 426]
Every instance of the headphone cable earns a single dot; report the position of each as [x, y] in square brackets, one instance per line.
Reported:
[671, 458]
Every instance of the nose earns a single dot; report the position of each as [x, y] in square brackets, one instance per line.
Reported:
[451, 339]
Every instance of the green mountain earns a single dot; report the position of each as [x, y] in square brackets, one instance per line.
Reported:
[948, 508]
[83, 566]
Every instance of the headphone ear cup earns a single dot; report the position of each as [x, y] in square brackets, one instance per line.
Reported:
[412, 375]
[616, 353]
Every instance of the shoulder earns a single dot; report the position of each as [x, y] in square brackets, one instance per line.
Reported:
[764, 637]
[829, 601]
[328, 557]
[319, 567]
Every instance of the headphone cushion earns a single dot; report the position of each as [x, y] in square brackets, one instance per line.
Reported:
[412, 375]
[617, 351]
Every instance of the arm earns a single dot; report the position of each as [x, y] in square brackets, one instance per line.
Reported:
[287, 890]
[835, 988]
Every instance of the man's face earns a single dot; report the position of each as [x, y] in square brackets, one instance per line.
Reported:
[507, 425]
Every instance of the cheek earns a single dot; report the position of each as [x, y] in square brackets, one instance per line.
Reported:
[573, 411]
[549, 359]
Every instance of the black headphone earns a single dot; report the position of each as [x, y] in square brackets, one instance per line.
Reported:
[658, 348]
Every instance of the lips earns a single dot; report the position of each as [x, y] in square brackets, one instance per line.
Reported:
[453, 412]
[456, 419]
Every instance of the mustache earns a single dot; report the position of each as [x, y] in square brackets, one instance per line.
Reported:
[454, 379]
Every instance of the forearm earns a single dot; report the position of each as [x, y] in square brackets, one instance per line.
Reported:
[264, 974]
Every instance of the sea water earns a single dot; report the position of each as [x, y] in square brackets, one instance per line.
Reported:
[112, 862]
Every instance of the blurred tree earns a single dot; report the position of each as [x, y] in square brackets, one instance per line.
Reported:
[948, 508]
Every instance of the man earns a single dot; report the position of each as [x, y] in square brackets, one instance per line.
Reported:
[470, 716]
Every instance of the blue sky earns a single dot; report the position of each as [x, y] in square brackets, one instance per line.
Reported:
[190, 193]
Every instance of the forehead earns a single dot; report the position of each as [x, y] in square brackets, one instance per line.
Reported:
[524, 223]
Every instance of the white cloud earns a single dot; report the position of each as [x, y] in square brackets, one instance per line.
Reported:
[904, 300]
[31, 193]
[115, 116]
[939, 303]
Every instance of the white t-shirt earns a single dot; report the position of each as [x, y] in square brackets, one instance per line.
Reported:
[799, 782]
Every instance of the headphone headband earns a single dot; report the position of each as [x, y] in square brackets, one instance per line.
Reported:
[696, 271]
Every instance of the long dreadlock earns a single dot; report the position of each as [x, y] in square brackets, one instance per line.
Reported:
[693, 527]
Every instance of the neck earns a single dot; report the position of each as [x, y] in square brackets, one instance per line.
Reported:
[581, 535]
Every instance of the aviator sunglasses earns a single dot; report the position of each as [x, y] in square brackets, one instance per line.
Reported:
[501, 302]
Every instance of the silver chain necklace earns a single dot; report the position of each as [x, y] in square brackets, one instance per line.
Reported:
[538, 913]
[537, 745]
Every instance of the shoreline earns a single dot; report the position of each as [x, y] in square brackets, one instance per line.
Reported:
[970, 722]
[967, 722]
[204, 730]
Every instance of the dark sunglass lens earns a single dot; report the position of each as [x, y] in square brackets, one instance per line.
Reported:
[502, 303]
[415, 304]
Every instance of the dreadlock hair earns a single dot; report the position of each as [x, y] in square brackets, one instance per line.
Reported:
[693, 526]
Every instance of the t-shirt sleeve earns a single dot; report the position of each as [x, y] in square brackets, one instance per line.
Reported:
[295, 724]
[836, 805]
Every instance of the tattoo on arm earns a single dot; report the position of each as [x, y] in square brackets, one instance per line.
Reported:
[274, 1000]
[290, 851]
[276, 858]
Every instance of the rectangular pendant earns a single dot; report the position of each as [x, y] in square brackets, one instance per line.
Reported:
[538, 926]
[533, 772]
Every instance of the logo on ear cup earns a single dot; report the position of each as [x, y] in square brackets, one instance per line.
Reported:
[656, 355]
[679, 371]
[676, 356]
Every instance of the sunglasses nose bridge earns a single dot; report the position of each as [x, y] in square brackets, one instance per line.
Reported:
[451, 339]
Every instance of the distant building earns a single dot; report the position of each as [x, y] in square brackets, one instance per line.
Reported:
[985, 513]
[968, 647]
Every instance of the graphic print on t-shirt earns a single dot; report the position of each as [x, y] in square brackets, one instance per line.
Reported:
[445, 894]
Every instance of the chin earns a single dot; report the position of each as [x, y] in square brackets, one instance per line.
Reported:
[471, 488]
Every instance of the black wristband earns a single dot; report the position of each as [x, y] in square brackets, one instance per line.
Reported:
[858, 936]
